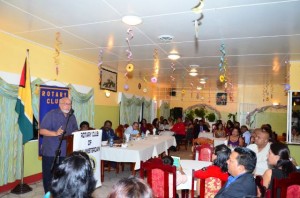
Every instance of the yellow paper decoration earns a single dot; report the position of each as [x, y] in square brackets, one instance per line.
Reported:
[129, 67]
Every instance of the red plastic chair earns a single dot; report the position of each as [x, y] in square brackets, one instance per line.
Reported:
[289, 187]
[204, 152]
[158, 176]
[209, 186]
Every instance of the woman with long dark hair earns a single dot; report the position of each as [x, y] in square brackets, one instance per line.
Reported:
[279, 158]
[74, 177]
[218, 168]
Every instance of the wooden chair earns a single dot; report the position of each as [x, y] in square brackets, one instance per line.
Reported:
[209, 185]
[159, 176]
[204, 152]
[183, 142]
[289, 187]
[260, 186]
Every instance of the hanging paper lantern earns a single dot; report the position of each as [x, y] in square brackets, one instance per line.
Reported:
[145, 90]
[129, 67]
[287, 87]
[154, 79]
[126, 87]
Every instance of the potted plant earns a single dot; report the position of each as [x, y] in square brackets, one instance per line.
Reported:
[200, 112]
[190, 115]
[233, 116]
[211, 117]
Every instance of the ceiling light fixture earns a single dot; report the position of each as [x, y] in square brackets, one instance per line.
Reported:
[173, 56]
[193, 71]
[202, 81]
[132, 20]
[199, 88]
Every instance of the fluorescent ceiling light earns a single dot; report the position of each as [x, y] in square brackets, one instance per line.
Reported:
[173, 56]
[193, 73]
[202, 81]
[132, 20]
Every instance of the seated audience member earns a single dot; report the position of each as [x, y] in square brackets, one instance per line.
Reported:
[85, 126]
[108, 132]
[235, 140]
[164, 126]
[131, 187]
[218, 168]
[143, 127]
[180, 175]
[179, 130]
[219, 132]
[279, 159]
[132, 130]
[295, 134]
[237, 124]
[268, 128]
[261, 147]
[155, 124]
[246, 134]
[171, 122]
[204, 127]
[229, 127]
[73, 177]
[252, 138]
[241, 183]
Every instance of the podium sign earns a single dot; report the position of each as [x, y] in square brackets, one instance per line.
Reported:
[90, 142]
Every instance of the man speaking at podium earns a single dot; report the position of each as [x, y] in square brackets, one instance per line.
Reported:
[53, 125]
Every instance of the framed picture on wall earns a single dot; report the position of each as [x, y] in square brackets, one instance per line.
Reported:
[221, 99]
[108, 80]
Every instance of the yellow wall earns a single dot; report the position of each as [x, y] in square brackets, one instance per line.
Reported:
[32, 163]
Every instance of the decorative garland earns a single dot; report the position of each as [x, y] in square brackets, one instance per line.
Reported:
[259, 110]
[56, 56]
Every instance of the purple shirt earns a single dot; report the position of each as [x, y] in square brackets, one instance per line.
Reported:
[52, 121]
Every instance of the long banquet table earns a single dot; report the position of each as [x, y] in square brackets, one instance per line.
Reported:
[138, 150]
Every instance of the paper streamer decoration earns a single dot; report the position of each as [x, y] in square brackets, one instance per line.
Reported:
[130, 37]
[57, 52]
[129, 67]
[198, 8]
[126, 87]
[154, 79]
[222, 59]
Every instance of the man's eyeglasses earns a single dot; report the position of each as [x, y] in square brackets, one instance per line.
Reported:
[67, 104]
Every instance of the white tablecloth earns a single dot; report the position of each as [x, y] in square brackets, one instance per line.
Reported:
[219, 141]
[166, 133]
[206, 135]
[138, 150]
[188, 166]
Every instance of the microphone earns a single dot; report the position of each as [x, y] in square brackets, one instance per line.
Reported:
[71, 112]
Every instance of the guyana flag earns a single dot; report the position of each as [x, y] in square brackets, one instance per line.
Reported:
[23, 105]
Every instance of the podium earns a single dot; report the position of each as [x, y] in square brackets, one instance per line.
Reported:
[69, 141]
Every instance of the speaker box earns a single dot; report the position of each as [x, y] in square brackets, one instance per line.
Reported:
[177, 112]
[172, 92]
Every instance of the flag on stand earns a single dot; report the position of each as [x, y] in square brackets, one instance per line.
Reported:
[23, 105]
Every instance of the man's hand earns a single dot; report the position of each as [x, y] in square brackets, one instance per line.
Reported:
[59, 131]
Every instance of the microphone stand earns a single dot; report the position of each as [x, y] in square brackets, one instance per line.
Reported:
[58, 150]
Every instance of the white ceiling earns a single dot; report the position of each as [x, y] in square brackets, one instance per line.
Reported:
[260, 36]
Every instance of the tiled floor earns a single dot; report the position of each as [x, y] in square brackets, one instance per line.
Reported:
[109, 179]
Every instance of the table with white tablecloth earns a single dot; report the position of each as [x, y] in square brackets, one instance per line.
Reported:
[206, 135]
[138, 150]
[188, 166]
